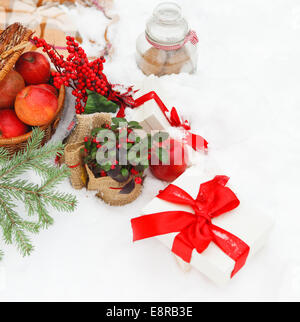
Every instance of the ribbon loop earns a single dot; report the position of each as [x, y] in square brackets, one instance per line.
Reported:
[196, 230]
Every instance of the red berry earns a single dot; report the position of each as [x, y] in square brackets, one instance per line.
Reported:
[138, 180]
[134, 172]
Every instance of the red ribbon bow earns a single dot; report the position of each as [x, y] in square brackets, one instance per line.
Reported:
[197, 142]
[124, 100]
[196, 230]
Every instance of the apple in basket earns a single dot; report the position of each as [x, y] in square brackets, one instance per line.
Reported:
[36, 106]
[49, 88]
[10, 86]
[34, 67]
[169, 160]
[10, 125]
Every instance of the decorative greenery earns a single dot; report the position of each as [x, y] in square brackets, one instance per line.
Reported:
[97, 103]
[35, 197]
[126, 142]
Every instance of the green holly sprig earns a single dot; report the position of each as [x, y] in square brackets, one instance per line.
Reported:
[130, 142]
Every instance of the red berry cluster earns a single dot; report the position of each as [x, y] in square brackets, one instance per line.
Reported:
[76, 71]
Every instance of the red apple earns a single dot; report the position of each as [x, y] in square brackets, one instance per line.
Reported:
[10, 125]
[175, 163]
[36, 106]
[34, 67]
[10, 86]
[49, 87]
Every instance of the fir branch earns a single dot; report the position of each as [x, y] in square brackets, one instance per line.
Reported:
[55, 176]
[23, 242]
[15, 228]
[4, 155]
[34, 197]
[44, 219]
[61, 201]
[35, 141]
[42, 168]
[32, 157]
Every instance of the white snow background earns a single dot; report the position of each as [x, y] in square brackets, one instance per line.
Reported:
[247, 107]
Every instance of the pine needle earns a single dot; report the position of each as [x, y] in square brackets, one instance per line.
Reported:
[35, 198]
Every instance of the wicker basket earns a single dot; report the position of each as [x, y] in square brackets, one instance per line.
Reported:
[13, 42]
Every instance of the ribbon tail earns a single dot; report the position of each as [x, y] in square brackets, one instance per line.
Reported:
[160, 224]
[121, 112]
[148, 97]
[182, 247]
[193, 37]
[174, 117]
[192, 237]
[232, 246]
[196, 141]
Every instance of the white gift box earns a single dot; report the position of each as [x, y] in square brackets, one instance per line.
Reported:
[149, 115]
[252, 228]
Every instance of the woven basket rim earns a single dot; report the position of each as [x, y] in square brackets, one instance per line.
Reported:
[14, 56]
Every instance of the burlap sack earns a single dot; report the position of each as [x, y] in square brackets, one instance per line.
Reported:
[75, 143]
[73, 159]
[109, 189]
[86, 123]
[81, 176]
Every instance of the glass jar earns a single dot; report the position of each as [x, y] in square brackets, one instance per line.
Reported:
[167, 46]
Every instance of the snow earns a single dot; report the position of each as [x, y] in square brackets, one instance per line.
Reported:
[247, 107]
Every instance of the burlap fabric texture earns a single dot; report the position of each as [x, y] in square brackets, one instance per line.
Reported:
[81, 176]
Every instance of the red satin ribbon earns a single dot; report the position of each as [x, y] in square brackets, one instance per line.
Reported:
[74, 166]
[197, 142]
[196, 230]
[124, 100]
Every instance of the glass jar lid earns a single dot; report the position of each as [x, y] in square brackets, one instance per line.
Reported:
[167, 25]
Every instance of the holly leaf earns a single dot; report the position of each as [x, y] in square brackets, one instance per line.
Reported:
[128, 188]
[134, 125]
[97, 103]
[88, 144]
[118, 120]
[124, 172]
[106, 167]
